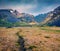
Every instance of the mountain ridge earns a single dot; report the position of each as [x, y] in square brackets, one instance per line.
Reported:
[53, 18]
[14, 18]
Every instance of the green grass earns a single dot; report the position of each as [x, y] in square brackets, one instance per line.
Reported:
[31, 47]
[57, 30]
[45, 28]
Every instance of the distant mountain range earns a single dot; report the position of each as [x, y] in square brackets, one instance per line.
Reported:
[39, 18]
[9, 17]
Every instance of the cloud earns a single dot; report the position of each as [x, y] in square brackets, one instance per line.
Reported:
[23, 8]
[30, 6]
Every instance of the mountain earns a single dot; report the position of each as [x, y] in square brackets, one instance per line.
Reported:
[39, 18]
[24, 17]
[53, 18]
[12, 18]
[9, 17]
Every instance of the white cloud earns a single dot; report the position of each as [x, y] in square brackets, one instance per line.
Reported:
[31, 8]
[23, 8]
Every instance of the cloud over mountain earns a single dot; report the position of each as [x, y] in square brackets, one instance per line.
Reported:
[30, 6]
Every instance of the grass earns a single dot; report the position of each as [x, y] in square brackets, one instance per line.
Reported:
[48, 29]
[57, 30]
[35, 38]
[32, 46]
[17, 44]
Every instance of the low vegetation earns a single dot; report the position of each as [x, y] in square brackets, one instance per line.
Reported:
[50, 29]
[29, 39]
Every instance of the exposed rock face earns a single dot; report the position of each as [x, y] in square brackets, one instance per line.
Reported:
[53, 18]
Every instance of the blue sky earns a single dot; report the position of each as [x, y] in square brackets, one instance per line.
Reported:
[34, 7]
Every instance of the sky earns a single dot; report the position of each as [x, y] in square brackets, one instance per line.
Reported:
[33, 7]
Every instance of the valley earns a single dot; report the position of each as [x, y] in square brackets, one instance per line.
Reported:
[26, 32]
